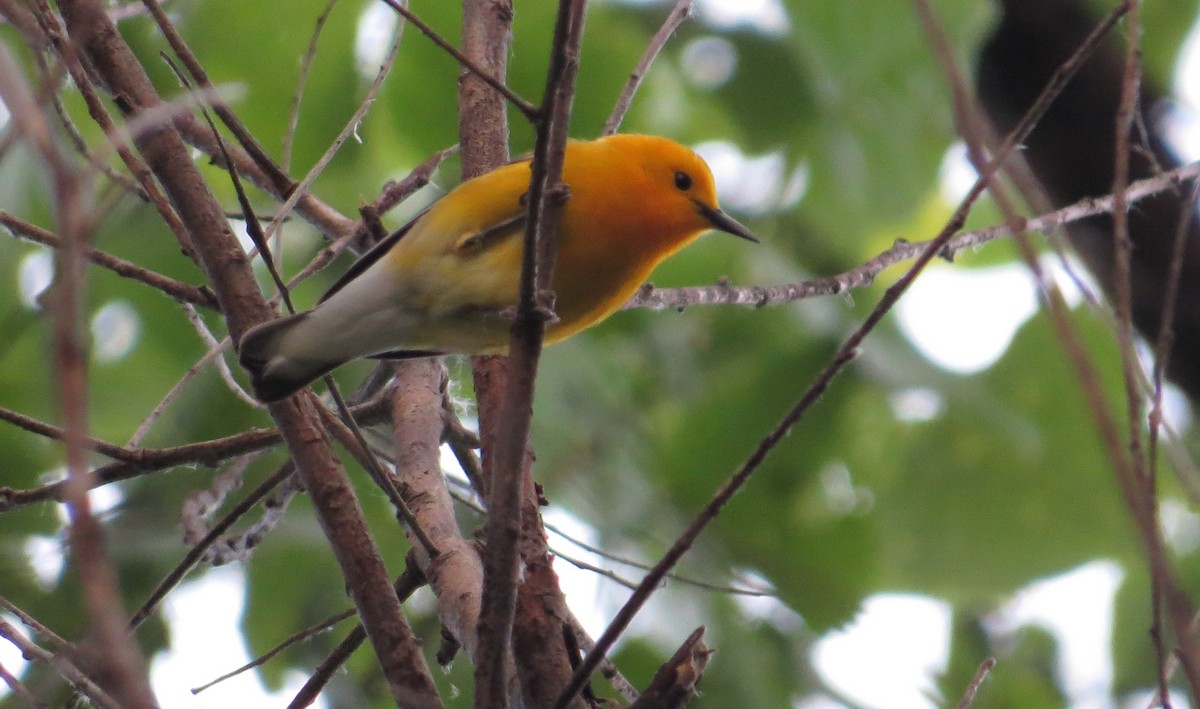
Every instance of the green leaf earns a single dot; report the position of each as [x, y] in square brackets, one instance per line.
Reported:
[1011, 482]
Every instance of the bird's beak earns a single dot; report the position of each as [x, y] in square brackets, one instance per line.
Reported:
[723, 222]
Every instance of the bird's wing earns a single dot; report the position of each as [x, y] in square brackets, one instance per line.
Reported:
[485, 239]
[373, 254]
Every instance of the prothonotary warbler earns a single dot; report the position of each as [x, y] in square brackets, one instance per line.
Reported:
[448, 281]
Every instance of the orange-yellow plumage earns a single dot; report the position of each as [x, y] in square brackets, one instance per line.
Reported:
[448, 282]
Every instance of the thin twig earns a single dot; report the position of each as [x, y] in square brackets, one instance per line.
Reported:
[621, 580]
[465, 498]
[681, 11]
[53, 432]
[132, 463]
[19, 689]
[1162, 358]
[118, 139]
[1166, 333]
[60, 643]
[1123, 246]
[405, 586]
[1144, 475]
[247, 140]
[289, 135]
[215, 348]
[618, 680]
[253, 228]
[532, 113]
[218, 346]
[361, 450]
[295, 638]
[118, 178]
[358, 238]
[973, 688]
[179, 290]
[328, 221]
[214, 353]
[844, 355]
[197, 552]
[864, 275]
[60, 664]
[328, 668]
[348, 130]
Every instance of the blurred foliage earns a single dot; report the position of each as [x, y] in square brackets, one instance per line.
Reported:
[640, 420]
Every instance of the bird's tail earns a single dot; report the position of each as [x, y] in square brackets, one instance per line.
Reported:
[277, 371]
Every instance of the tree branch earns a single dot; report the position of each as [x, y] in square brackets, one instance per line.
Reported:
[509, 473]
[679, 13]
[406, 585]
[282, 183]
[456, 573]
[483, 139]
[843, 356]
[127, 269]
[109, 653]
[495, 81]
[650, 296]
[675, 682]
[64, 667]
[243, 305]
[137, 461]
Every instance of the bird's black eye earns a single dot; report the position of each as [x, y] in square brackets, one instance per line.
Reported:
[683, 181]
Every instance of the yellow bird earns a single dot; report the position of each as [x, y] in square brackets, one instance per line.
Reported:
[448, 281]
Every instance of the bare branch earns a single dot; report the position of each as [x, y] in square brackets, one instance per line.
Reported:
[281, 181]
[204, 545]
[19, 689]
[723, 293]
[217, 346]
[54, 432]
[972, 689]
[844, 355]
[295, 638]
[329, 221]
[675, 682]
[305, 66]
[483, 137]
[117, 140]
[351, 126]
[610, 671]
[127, 269]
[61, 665]
[680, 12]
[229, 270]
[351, 436]
[508, 517]
[530, 111]
[121, 663]
[405, 586]
[138, 461]
[455, 574]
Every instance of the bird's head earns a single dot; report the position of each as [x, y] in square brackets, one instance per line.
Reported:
[680, 193]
